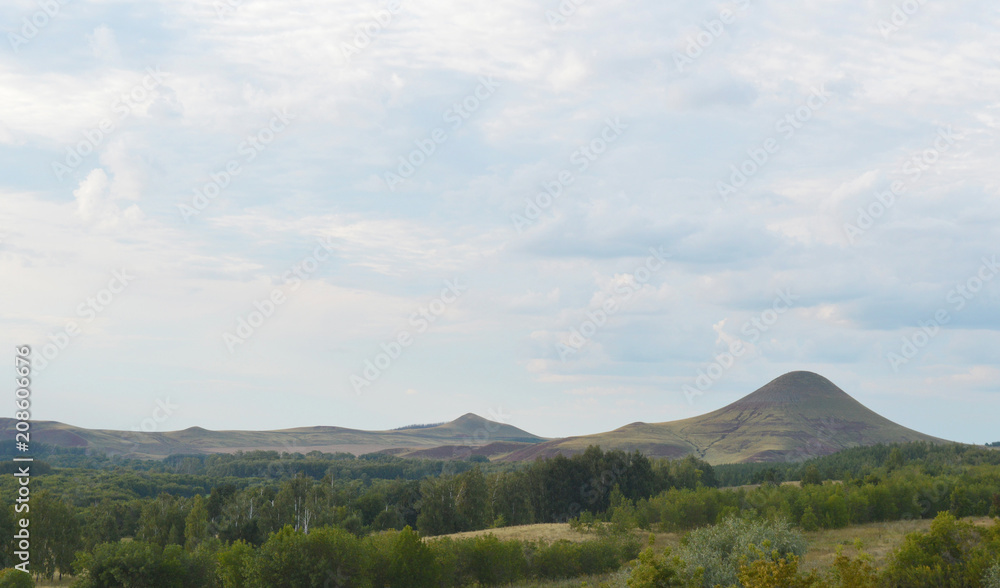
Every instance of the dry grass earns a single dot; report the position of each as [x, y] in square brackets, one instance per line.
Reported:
[877, 539]
[546, 532]
[552, 532]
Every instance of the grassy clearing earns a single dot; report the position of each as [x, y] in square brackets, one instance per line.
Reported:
[551, 532]
[877, 539]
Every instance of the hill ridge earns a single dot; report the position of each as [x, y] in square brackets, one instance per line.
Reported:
[797, 415]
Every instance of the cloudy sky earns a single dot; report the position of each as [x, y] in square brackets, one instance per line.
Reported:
[566, 216]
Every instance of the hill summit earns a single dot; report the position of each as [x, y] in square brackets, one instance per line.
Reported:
[791, 418]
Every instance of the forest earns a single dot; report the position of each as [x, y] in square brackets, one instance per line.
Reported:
[268, 519]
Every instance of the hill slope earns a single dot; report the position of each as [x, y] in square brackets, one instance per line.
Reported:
[469, 430]
[793, 417]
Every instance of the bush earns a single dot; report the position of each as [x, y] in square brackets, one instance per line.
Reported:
[400, 558]
[138, 564]
[326, 556]
[721, 549]
[992, 577]
[659, 571]
[482, 560]
[11, 578]
[809, 521]
[952, 553]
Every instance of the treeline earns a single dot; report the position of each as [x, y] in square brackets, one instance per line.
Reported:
[79, 510]
[858, 462]
[905, 493]
[270, 465]
[329, 556]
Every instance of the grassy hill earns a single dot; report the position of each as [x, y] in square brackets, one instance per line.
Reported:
[794, 417]
[462, 435]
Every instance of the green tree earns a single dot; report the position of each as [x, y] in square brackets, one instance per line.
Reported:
[811, 476]
[437, 506]
[292, 558]
[135, 564]
[472, 501]
[56, 535]
[235, 565]
[196, 524]
[411, 562]
[809, 521]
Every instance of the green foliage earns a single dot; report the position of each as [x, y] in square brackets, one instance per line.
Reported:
[952, 554]
[234, 565]
[773, 570]
[809, 522]
[811, 475]
[292, 558]
[856, 572]
[660, 570]
[196, 523]
[56, 535]
[400, 559]
[139, 564]
[721, 549]
[11, 578]
[991, 579]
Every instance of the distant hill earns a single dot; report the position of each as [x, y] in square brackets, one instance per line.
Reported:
[793, 417]
[461, 435]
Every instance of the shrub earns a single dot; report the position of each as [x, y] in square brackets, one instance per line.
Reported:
[11, 578]
[138, 564]
[992, 577]
[951, 553]
[721, 549]
[659, 571]
[292, 558]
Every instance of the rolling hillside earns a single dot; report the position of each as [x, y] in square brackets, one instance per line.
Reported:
[793, 417]
[461, 434]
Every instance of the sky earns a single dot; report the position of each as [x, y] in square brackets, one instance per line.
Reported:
[568, 216]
